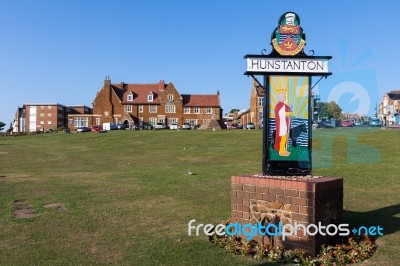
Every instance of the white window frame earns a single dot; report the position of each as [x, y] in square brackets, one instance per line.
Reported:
[151, 110]
[141, 108]
[48, 114]
[150, 97]
[260, 101]
[196, 110]
[170, 97]
[170, 108]
[208, 110]
[130, 97]
[192, 122]
[128, 108]
[153, 121]
[186, 110]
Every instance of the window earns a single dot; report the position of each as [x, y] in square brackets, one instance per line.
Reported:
[80, 121]
[150, 97]
[153, 120]
[130, 97]
[42, 122]
[70, 122]
[49, 107]
[208, 110]
[128, 108]
[196, 110]
[42, 107]
[186, 110]
[140, 108]
[170, 97]
[49, 115]
[260, 101]
[49, 122]
[170, 108]
[60, 116]
[41, 114]
[152, 108]
[115, 120]
[192, 122]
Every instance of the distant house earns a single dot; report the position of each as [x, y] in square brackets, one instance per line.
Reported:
[255, 113]
[389, 106]
[42, 117]
[141, 104]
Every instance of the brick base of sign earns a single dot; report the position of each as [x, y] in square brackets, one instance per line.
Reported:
[310, 201]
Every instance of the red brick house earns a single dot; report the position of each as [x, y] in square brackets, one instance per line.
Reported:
[149, 103]
[255, 113]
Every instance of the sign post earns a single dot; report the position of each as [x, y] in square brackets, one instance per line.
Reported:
[287, 84]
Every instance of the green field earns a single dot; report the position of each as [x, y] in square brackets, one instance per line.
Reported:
[128, 196]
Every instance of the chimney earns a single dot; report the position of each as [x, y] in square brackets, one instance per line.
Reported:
[161, 85]
[107, 82]
[218, 92]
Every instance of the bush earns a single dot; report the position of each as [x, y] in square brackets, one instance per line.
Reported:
[351, 250]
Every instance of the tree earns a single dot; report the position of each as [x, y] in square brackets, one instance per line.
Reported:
[329, 110]
[2, 126]
[234, 110]
[334, 110]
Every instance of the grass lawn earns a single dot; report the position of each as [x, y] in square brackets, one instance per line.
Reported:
[128, 195]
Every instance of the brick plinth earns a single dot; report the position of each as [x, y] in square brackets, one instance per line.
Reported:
[312, 201]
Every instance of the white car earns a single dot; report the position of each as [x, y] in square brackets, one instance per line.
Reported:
[173, 126]
[186, 126]
[160, 126]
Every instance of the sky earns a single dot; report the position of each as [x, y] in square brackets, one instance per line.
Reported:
[60, 51]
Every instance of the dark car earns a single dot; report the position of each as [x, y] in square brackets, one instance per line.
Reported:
[121, 126]
[83, 129]
[148, 126]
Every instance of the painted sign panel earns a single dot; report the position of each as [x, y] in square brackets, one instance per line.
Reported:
[288, 118]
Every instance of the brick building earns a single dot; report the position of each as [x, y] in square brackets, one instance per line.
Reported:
[148, 103]
[389, 106]
[33, 117]
[255, 113]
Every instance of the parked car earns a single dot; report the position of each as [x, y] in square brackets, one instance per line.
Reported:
[250, 126]
[186, 126]
[135, 127]
[113, 126]
[160, 126]
[358, 123]
[239, 126]
[97, 128]
[121, 126]
[375, 122]
[173, 126]
[83, 129]
[346, 123]
[148, 126]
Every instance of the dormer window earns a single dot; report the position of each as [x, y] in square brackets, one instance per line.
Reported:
[130, 97]
[150, 97]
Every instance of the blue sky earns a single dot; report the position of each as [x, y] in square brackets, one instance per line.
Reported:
[61, 51]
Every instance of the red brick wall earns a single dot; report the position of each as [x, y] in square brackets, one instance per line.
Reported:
[305, 201]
